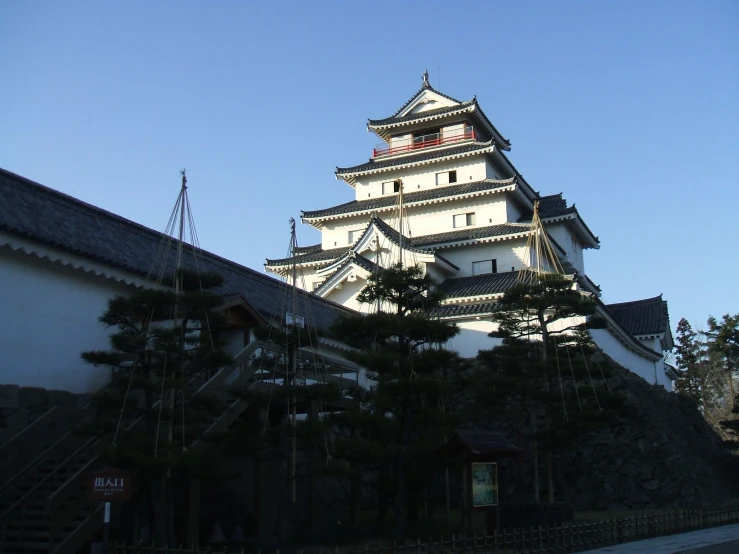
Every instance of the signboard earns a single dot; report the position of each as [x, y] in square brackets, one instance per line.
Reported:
[484, 485]
[109, 485]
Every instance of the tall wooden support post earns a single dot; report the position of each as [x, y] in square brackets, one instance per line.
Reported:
[293, 362]
[193, 524]
[467, 497]
[106, 529]
[448, 501]
[535, 460]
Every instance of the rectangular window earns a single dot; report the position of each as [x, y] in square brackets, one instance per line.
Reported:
[484, 266]
[390, 187]
[291, 319]
[354, 235]
[446, 177]
[464, 220]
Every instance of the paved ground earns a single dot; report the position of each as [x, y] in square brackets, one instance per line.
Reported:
[718, 540]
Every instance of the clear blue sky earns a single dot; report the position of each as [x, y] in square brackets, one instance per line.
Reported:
[629, 108]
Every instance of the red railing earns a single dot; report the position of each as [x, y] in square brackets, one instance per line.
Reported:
[425, 141]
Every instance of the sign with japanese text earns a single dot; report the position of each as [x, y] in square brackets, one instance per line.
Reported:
[109, 485]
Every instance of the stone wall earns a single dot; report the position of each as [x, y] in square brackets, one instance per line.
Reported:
[662, 454]
[21, 406]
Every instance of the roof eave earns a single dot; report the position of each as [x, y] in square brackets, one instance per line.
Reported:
[351, 176]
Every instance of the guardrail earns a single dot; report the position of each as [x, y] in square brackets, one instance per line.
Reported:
[550, 539]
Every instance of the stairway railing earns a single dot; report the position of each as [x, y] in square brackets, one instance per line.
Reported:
[17, 456]
[72, 488]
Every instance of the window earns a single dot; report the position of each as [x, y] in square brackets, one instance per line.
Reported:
[389, 187]
[484, 266]
[354, 235]
[291, 319]
[464, 220]
[446, 177]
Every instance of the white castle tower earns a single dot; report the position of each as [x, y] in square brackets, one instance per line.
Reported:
[440, 192]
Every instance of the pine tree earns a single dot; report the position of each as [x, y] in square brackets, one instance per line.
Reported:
[688, 354]
[403, 418]
[542, 368]
[162, 349]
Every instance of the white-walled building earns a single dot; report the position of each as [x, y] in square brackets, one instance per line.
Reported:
[61, 259]
[466, 216]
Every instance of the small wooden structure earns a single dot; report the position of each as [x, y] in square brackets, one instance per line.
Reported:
[480, 452]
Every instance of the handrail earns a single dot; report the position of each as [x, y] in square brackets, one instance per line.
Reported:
[53, 498]
[26, 496]
[15, 479]
[418, 143]
[33, 442]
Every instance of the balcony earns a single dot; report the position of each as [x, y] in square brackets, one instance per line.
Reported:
[423, 141]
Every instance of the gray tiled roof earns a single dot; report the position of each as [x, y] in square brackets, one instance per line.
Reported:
[642, 317]
[556, 206]
[477, 114]
[382, 163]
[471, 233]
[425, 86]
[463, 310]
[482, 443]
[317, 256]
[412, 244]
[420, 244]
[479, 285]
[46, 216]
[308, 249]
[349, 259]
[420, 115]
[409, 198]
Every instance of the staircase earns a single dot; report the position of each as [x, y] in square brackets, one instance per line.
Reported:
[43, 507]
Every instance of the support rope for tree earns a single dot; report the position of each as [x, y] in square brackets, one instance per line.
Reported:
[574, 381]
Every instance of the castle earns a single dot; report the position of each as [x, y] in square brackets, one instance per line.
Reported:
[440, 192]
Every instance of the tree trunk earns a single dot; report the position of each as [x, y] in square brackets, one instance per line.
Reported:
[382, 509]
[561, 485]
[401, 492]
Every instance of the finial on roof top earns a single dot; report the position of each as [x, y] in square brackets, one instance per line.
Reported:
[426, 83]
[184, 178]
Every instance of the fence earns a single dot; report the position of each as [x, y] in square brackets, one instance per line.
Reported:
[550, 539]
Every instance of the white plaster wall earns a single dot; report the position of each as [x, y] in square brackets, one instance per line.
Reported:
[347, 294]
[643, 367]
[422, 177]
[48, 317]
[509, 254]
[563, 236]
[473, 337]
[494, 209]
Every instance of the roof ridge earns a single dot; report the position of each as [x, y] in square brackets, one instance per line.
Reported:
[101, 214]
[424, 153]
[435, 111]
[426, 86]
[632, 302]
[411, 195]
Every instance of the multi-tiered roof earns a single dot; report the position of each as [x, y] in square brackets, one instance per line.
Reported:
[461, 131]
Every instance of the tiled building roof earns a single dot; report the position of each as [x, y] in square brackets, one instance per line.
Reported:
[444, 192]
[426, 86]
[43, 215]
[479, 285]
[471, 234]
[432, 154]
[471, 108]
[420, 115]
[642, 317]
[420, 244]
